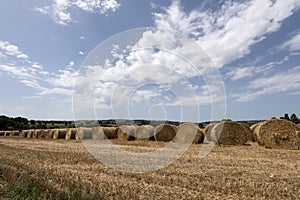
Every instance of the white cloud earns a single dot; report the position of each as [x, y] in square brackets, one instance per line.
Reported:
[241, 73]
[12, 50]
[22, 56]
[61, 10]
[279, 82]
[71, 64]
[81, 53]
[82, 37]
[293, 44]
[228, 33]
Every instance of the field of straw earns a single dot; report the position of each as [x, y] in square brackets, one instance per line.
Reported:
[60, 168]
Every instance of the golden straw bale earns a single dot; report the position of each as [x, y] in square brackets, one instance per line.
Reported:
[126, 132]
[229, 133]
[145, 132]
[165, 132]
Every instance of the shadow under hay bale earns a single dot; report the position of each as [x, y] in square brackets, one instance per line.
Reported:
[229, 133]
[278, 133]
[207, 132]
[98, 133]
[145, 132]
[59, 134]
[189, 130]
[126, 133]
[165, 132]
[249, 133]
[110, 132]
[34, 133]
[85, 133]
[71, 134]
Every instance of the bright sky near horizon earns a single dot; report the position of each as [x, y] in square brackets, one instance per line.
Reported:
[254, 44]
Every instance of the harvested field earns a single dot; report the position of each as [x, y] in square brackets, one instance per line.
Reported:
[232, 172]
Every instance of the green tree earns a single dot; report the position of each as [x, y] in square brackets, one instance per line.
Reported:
[295, 119]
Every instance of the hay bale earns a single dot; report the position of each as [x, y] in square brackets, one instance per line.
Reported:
[59, 134]
[110, 132]
[145, 132]
[165, 132]
[50, 133]
[71, 134]
[192, 128]
[7, 133]
[126, 132]
[229, 133]
[249, 133]
[98, 133]
[35, 133]
[85, 133]
[24, 133]
[256, 128]
[30, 133]
[2, 133]
[14, 133]
[207, 132]
[43, 133]
[278, 133]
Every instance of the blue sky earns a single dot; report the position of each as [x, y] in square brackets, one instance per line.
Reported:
[254, 45]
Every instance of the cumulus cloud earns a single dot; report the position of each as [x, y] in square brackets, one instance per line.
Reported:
[81, 53]
[61, 10]
[227, 33]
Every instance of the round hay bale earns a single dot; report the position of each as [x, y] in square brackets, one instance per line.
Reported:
[24, 133]
[98, 133]
[85, 133]
[145, 132]
[279, 133]
[207, 132]
[14, 133]
[165, 132]
[249, 133]
[126, 133]
[7, 133]
[42, 133]
[71, 134]
[229, 133]
[256, 128]
[30, 133]
[110, 132]
[2, 133]
[59, 134]
[50, 133]
[35, 133]
[199, 137]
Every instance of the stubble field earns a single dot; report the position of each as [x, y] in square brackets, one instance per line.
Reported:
[58, 169]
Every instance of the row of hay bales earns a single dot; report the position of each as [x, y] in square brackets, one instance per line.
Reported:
[275, 133]
[163, 132]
